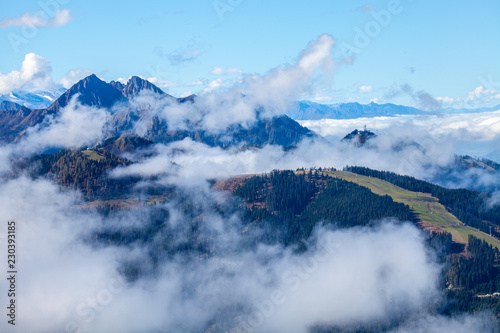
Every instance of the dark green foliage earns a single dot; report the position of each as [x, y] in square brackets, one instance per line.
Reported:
[460, 301]
[474, 278]
[291, 205]
[72, 169]
[475, 271]
[440, 242]
[468, 206]
[349, 204]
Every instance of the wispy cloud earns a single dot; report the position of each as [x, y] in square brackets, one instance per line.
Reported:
[162, 84]
[227, 71]
[423, 99]
[180, 56]
[74, 76]
[365, 89]
[38, 19]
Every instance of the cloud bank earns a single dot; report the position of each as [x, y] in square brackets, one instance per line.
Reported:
[346, 276]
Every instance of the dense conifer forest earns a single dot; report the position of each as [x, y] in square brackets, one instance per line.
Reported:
[88, 173]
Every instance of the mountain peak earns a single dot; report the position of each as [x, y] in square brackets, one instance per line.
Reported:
[92, 77]
[186, 99]
[93, 92]
[137, 84]
[359, 137]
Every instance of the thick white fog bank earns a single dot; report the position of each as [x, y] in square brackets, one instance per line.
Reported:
[477, 134]
[66, 284]
[186, 161]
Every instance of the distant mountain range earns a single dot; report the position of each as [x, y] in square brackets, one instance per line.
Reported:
[33, 100]
[306, 110]
[106, 94]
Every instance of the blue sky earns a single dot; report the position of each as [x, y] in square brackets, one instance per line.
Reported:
[447, 49]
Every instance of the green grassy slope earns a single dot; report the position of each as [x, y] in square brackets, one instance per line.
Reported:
[432, 214]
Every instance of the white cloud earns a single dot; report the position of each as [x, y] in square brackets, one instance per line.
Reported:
[213, 85]
[273, 91]
[166, 85]
[75, 125]
[186, 93]
[194, 83]
[469, 126]
[227, 71]
[35, 74]
[494, 200]
[483, 95]
[478, 97]
[62, 17]
[365, 89]
[440, 137]
[162, 84]
[321, 99]
[373, 278]
[217, 71]
[122, 80]
[74, 76]
[446, 100]
[39, 20]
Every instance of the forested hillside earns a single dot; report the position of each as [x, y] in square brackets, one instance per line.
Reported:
[294, 202]
[470, 207]
[84, 170]
[291, 204]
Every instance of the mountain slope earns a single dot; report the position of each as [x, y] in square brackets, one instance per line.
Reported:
[9, 106]
[280, 130]
[135, 85]
[470, 207]
[291, 203]
[93, 92]
[432, 214]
